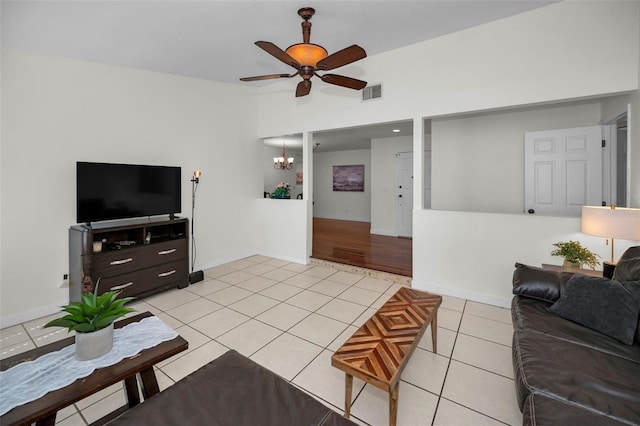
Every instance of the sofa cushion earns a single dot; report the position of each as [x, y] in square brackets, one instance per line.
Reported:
[608, 306]
[628, 267]
[538, 283]
[589, 379]
[540, 410]
[533, 315]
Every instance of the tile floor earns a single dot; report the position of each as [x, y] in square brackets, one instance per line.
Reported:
[290, 318]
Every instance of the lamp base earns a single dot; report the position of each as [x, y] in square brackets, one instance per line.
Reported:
[196, 276]
[607, 269]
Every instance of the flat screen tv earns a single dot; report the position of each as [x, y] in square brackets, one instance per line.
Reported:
[118, 191]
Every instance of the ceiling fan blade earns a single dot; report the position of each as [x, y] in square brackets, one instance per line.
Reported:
[303, 89]
[278, 53]
[342, 57]
[268, 77]
[340, 80]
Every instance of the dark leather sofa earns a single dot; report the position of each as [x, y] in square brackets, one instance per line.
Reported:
[567, 373]
[232, 390]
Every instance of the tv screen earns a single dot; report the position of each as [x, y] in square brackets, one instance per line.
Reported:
[119, 191]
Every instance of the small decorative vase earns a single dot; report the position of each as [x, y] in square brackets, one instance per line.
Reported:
[571, 266]
[95, 344]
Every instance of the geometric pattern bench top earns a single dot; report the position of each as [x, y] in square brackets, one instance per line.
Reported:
[380, 349]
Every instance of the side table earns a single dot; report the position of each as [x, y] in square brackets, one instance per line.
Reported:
[581, 271]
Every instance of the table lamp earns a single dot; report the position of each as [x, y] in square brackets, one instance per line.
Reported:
[611, 222]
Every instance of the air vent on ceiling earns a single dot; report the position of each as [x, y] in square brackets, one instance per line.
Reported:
[372, 92]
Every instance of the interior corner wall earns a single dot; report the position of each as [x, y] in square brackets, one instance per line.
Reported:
[57, 111]
[479, 159]
[383, 183]
[330, 204]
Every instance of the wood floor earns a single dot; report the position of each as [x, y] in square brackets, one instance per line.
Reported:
[351, 243]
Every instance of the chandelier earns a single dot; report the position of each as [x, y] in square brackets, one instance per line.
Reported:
[283, 162]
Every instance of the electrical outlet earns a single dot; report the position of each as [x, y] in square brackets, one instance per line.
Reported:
[65, 281]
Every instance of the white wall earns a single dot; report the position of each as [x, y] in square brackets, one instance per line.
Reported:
[57, 111]
[329, 204]
[480, 158]
[282, 228]
[543, 56]
[547, 54]
[476, 261]
[384, 183]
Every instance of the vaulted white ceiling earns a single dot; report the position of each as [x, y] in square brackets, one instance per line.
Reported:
[213, 40]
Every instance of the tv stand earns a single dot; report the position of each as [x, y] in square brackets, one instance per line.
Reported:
[137, 257]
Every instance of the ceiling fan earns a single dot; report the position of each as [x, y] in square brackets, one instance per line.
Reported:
[308, 58]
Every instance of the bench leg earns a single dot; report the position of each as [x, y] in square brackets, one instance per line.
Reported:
[434, 332]
[393, 404]
[131, 387]
[347, 394]
[149, 383]
[50, 420]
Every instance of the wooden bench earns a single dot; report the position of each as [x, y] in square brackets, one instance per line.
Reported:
[379, 350]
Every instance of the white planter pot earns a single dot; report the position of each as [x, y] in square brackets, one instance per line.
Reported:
[95, 344]
[570, 266]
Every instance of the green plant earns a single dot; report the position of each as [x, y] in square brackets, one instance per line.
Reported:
[574, 252]
[281, 191]
[93, 312]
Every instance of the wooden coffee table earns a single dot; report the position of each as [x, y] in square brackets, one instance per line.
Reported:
[379, 350]
[43, 411]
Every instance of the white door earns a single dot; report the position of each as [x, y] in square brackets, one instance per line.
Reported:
[404, 193]
[563, 170]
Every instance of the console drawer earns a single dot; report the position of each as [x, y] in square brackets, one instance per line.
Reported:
[168, 251]
[131, 259]
[118, 261]
[148, 279]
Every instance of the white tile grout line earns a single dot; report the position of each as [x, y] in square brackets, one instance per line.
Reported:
[347, 268]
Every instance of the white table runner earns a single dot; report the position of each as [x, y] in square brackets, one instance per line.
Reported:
[30, 380]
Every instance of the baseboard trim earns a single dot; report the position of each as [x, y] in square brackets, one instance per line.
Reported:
[348, 219]
[383, 232]
[503, 302]
[300, 260]
[43, 311]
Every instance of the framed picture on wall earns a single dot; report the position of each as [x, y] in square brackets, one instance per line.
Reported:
[348, 178]
[298, 178]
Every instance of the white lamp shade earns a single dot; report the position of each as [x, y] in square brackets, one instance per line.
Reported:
[619, 223]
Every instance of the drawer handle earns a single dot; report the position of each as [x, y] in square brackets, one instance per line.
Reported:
[163, 252]
[120, 287]
[166, 274]
[121, 262]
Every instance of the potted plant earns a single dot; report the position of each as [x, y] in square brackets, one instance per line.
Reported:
[575, 255]
[92, 319]
[281, 191]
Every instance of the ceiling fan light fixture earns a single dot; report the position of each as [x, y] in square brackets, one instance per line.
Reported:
[307, 54]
